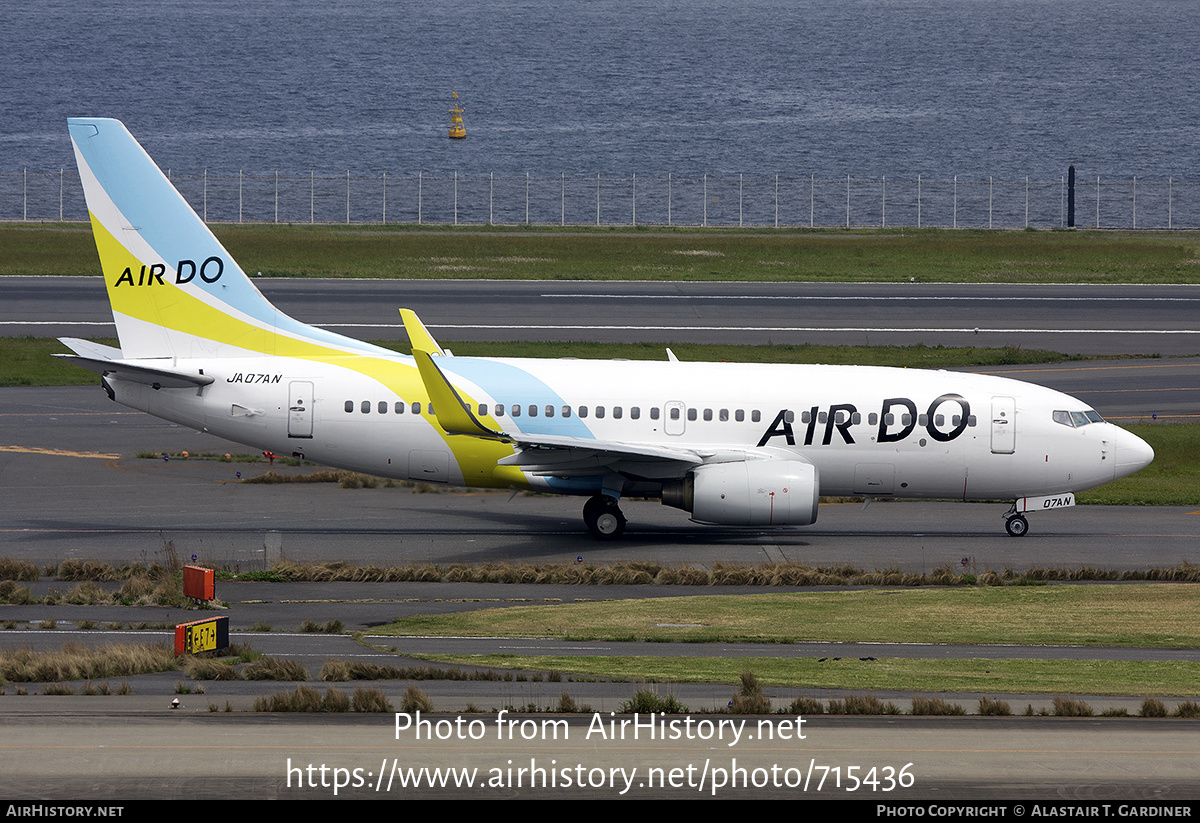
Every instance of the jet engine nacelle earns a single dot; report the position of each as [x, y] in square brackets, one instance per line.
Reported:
[750, 493]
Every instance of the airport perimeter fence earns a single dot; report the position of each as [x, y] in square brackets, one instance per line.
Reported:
[779, 201]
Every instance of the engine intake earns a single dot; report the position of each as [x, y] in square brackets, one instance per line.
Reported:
[749, 493]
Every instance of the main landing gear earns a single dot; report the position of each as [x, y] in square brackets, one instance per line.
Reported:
[1015, 523]
[603, 517]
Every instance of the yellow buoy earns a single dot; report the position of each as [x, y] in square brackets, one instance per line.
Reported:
[457, 131]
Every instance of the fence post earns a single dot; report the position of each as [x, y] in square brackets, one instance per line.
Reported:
[739, 200]
[847, 201]
[562, 199]
[1135, 201]
[206, 195]
[456, 197]
[312, 196]
[491, 197]
[990, 203]
[347, 197]
[384, 198]
[597, 198]
[776, 200]
[812, 198]
[956, 201]
[420, 182]
[706, 199]
[276, 195]
[1168, 202]
[24, 193]
[240, 195]
[527, 198]
[635, 198]
[883, 207]
[1097, 201]
[1027, 201]
[668, 198]
[60, 194]
[918, 201]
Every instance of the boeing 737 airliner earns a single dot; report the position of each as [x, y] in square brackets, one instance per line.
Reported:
[734, 444]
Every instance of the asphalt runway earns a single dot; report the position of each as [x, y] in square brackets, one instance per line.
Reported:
[74, 486]
[1139, 767]
[1072, 318]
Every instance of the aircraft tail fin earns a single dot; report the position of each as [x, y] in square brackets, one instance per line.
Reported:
[175, 290]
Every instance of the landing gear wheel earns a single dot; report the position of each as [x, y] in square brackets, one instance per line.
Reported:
[604, 518]
[1016, 525]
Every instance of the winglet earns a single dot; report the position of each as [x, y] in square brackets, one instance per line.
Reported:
[418, 335]
[453, 415]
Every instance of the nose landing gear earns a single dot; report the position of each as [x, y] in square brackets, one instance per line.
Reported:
[1016, 525]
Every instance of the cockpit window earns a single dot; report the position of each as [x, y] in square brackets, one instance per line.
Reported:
[1075, 419]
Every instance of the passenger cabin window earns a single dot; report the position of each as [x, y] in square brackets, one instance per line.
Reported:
[366, 407]
[600, 412]
[654, 412]
[416, 408]
[399, 408]
[583, 411]
[382, 407]
[635, 412]
[755, 416]
[617, 412]
[350, 406]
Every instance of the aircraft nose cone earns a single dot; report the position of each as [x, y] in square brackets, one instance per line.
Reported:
[1132, 453]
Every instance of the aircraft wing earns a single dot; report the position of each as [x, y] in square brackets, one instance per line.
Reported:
[568, 456]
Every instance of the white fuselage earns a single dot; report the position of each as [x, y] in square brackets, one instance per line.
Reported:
[870, 431]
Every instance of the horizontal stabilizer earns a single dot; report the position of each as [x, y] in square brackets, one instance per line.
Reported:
[87, 348]
[138, 373]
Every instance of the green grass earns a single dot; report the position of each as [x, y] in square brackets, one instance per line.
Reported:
[1173, 479]
[1126, 615]
[1108, 677]
[893, 255]
[27, 361]
[1162, 615]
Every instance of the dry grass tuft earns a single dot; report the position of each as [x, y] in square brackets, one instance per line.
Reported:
[75, 662]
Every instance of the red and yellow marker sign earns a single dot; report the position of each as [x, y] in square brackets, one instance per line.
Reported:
[202, 635]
